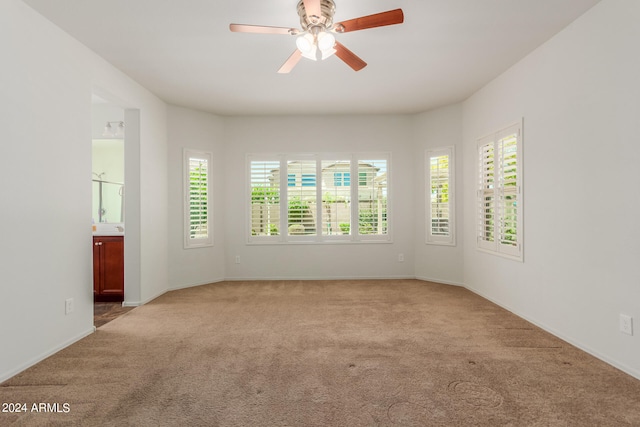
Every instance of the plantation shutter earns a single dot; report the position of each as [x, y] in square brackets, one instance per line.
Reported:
[301, 198]
[439, 168]
[509, 191]
[317, 198]
[336, 197]
[499, 222]
[199, 177]
[486, 195]
[372, 197]
[265, 197]
[197, 200]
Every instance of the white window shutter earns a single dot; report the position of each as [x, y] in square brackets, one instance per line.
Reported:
[372, 193]
[302, 206]
[335, 192]
[440, 226]
[197, 204]
[509, 191]
[264, 202]
[486, 194]
[500, 195]
[317, 198]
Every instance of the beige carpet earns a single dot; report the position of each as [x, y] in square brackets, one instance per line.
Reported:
[323, 353]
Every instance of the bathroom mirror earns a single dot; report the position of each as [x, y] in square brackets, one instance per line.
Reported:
[108, 181]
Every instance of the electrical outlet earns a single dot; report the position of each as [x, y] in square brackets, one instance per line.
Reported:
[237, 259]
[68, 306]
[626, 324]
[400, 257]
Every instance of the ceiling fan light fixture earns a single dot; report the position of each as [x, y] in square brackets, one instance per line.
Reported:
[327, 53]
[306, 45]
[312, 54]
[326, 41]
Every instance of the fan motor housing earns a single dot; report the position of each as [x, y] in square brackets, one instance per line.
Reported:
[327, 8]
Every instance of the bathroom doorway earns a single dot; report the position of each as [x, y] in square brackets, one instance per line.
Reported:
[108, 202]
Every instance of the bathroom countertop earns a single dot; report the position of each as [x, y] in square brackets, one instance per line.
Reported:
[108, 230]
[108, 233]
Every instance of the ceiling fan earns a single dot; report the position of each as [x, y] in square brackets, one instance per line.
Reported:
[316, 40]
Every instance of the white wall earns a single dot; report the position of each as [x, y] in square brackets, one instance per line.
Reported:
[309, 134]
[578, 94]
[436, 129]
[199, 131]
[45, 97]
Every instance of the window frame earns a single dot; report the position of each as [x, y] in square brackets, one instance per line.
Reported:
[198, 242]
[450, 238]
[320, 237]
[491, 186]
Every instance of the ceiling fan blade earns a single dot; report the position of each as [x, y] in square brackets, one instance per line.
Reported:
[312, 7]
[261, 29]
[291, 62]
[381, 19]
[350, 58]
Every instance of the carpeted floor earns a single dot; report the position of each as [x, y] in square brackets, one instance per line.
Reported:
[323, 353]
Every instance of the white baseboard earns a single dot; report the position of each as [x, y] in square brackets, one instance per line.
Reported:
[192, 285]
[6, 375]
[131, 303]
[249, 279]
[172, 288]
[143, 302]
[442, 282]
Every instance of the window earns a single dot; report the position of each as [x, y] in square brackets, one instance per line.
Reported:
[500, 194]
[197, 206]
[341, 179]
[309, 179]
[440, 196]
[372, 197]
[265, 197]
[319, 198]
[336, 197]
[301, 198]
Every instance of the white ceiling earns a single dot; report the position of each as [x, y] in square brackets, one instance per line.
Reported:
[184, 52]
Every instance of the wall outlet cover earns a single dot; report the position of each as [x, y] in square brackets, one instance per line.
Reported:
[68, 306]
[626, 324]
